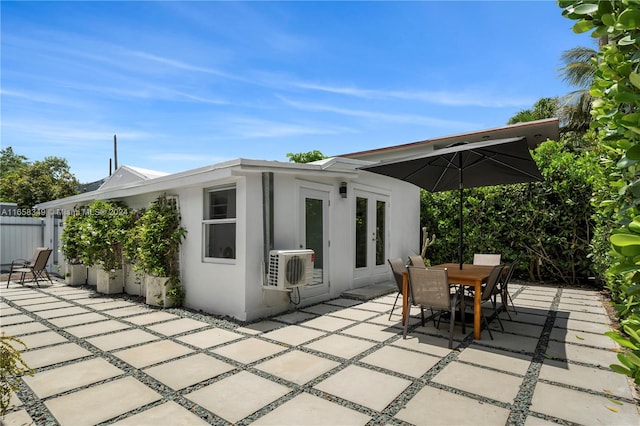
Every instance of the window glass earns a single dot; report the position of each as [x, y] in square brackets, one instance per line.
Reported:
[220, 223]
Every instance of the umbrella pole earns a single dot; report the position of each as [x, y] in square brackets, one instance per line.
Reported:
[460, 213]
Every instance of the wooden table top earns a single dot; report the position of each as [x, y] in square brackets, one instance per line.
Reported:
[469, 274]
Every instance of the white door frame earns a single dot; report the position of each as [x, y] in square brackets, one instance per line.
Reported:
[309, 190]
[372, 273]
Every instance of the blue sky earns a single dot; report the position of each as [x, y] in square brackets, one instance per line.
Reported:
[186, 84]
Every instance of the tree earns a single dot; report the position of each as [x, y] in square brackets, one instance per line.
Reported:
[28, 184]
[543, 108]
[616, 125]
[305, 157]
[579, 71]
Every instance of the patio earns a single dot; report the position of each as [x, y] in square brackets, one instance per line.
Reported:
[109, 360]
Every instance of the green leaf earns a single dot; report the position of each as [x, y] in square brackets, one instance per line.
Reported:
[586, 9]
[608, 19]
[583, 26]
[633, 153]
[629, 19]
[622, 341]
[620, 370]
[624, 240]
[634, 359]
[634, 78]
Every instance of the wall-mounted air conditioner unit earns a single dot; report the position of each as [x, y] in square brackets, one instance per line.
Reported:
[289, 269]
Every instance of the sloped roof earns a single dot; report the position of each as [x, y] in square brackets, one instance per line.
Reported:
[535, 131]
[129, 174]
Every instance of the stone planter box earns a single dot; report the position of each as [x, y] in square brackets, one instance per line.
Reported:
[156, 291]
[75, 274]
[133, 281]
[92, 275]
[110, 282]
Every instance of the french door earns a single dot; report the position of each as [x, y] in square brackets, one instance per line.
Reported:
[370, 238]
[313, 234]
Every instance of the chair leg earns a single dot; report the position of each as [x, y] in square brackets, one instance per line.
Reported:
[486, 323]
[394, 306]
[422, 314]
[499, 320]
[452, 321]
[512, 305]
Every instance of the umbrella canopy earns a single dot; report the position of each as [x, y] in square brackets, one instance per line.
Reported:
[465, 165]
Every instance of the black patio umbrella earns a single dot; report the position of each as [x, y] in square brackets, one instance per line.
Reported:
[465, 165]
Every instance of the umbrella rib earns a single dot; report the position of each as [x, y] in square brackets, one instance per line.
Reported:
[485, 157]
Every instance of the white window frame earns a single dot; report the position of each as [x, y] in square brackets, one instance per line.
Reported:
[206, 222]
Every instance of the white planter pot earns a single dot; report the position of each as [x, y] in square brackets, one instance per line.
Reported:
[92, 275]
[110, 282]
[156, 291]
[133, 281]
[75, 274]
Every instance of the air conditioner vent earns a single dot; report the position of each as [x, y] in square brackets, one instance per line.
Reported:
[289, 269]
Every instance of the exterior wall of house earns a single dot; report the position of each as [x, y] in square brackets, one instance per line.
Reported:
[233, 287]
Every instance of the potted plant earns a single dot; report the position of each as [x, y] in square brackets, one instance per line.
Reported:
[103, 233]
[75, 271]
[154, 246]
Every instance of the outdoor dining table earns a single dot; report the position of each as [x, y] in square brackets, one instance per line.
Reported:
[469, 275]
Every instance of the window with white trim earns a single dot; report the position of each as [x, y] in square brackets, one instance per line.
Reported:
[219, 223]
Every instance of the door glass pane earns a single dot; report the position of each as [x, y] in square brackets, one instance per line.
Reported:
[314, 235]
[361, 232]
[380, 232]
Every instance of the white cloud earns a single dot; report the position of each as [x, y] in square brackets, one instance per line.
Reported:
[395, 118]
[439, 97]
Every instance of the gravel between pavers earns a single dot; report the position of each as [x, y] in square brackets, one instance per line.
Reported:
[519, 410]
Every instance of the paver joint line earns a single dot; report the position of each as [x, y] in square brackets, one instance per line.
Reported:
[360, 322]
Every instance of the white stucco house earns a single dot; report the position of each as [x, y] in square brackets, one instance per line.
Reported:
[236, 212]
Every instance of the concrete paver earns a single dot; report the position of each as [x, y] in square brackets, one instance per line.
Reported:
[188, 371]
[178, 326]
[431, 406]
[54, 354]
[297, 366]
[229, 398]
[77, 319]
[338, 362]
[158, 415]
[293, 335]
[582, 408]
[592, 378]
[100, 403]
[37, 340]
[355, 383]
[314, 411]
[249, 350]
[69, 377]
[152, 353]
[96, 328]
[210, 337]
[480, 381]
[341, 346]
[150, 318]
[414, 364]
[121, 339]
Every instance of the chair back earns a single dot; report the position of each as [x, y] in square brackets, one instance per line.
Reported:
[429, 287]
[510, 271]
[42, 258]
[417, 261]
[488, 259]
[398, 268]
[492, 281]
[36, 253]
